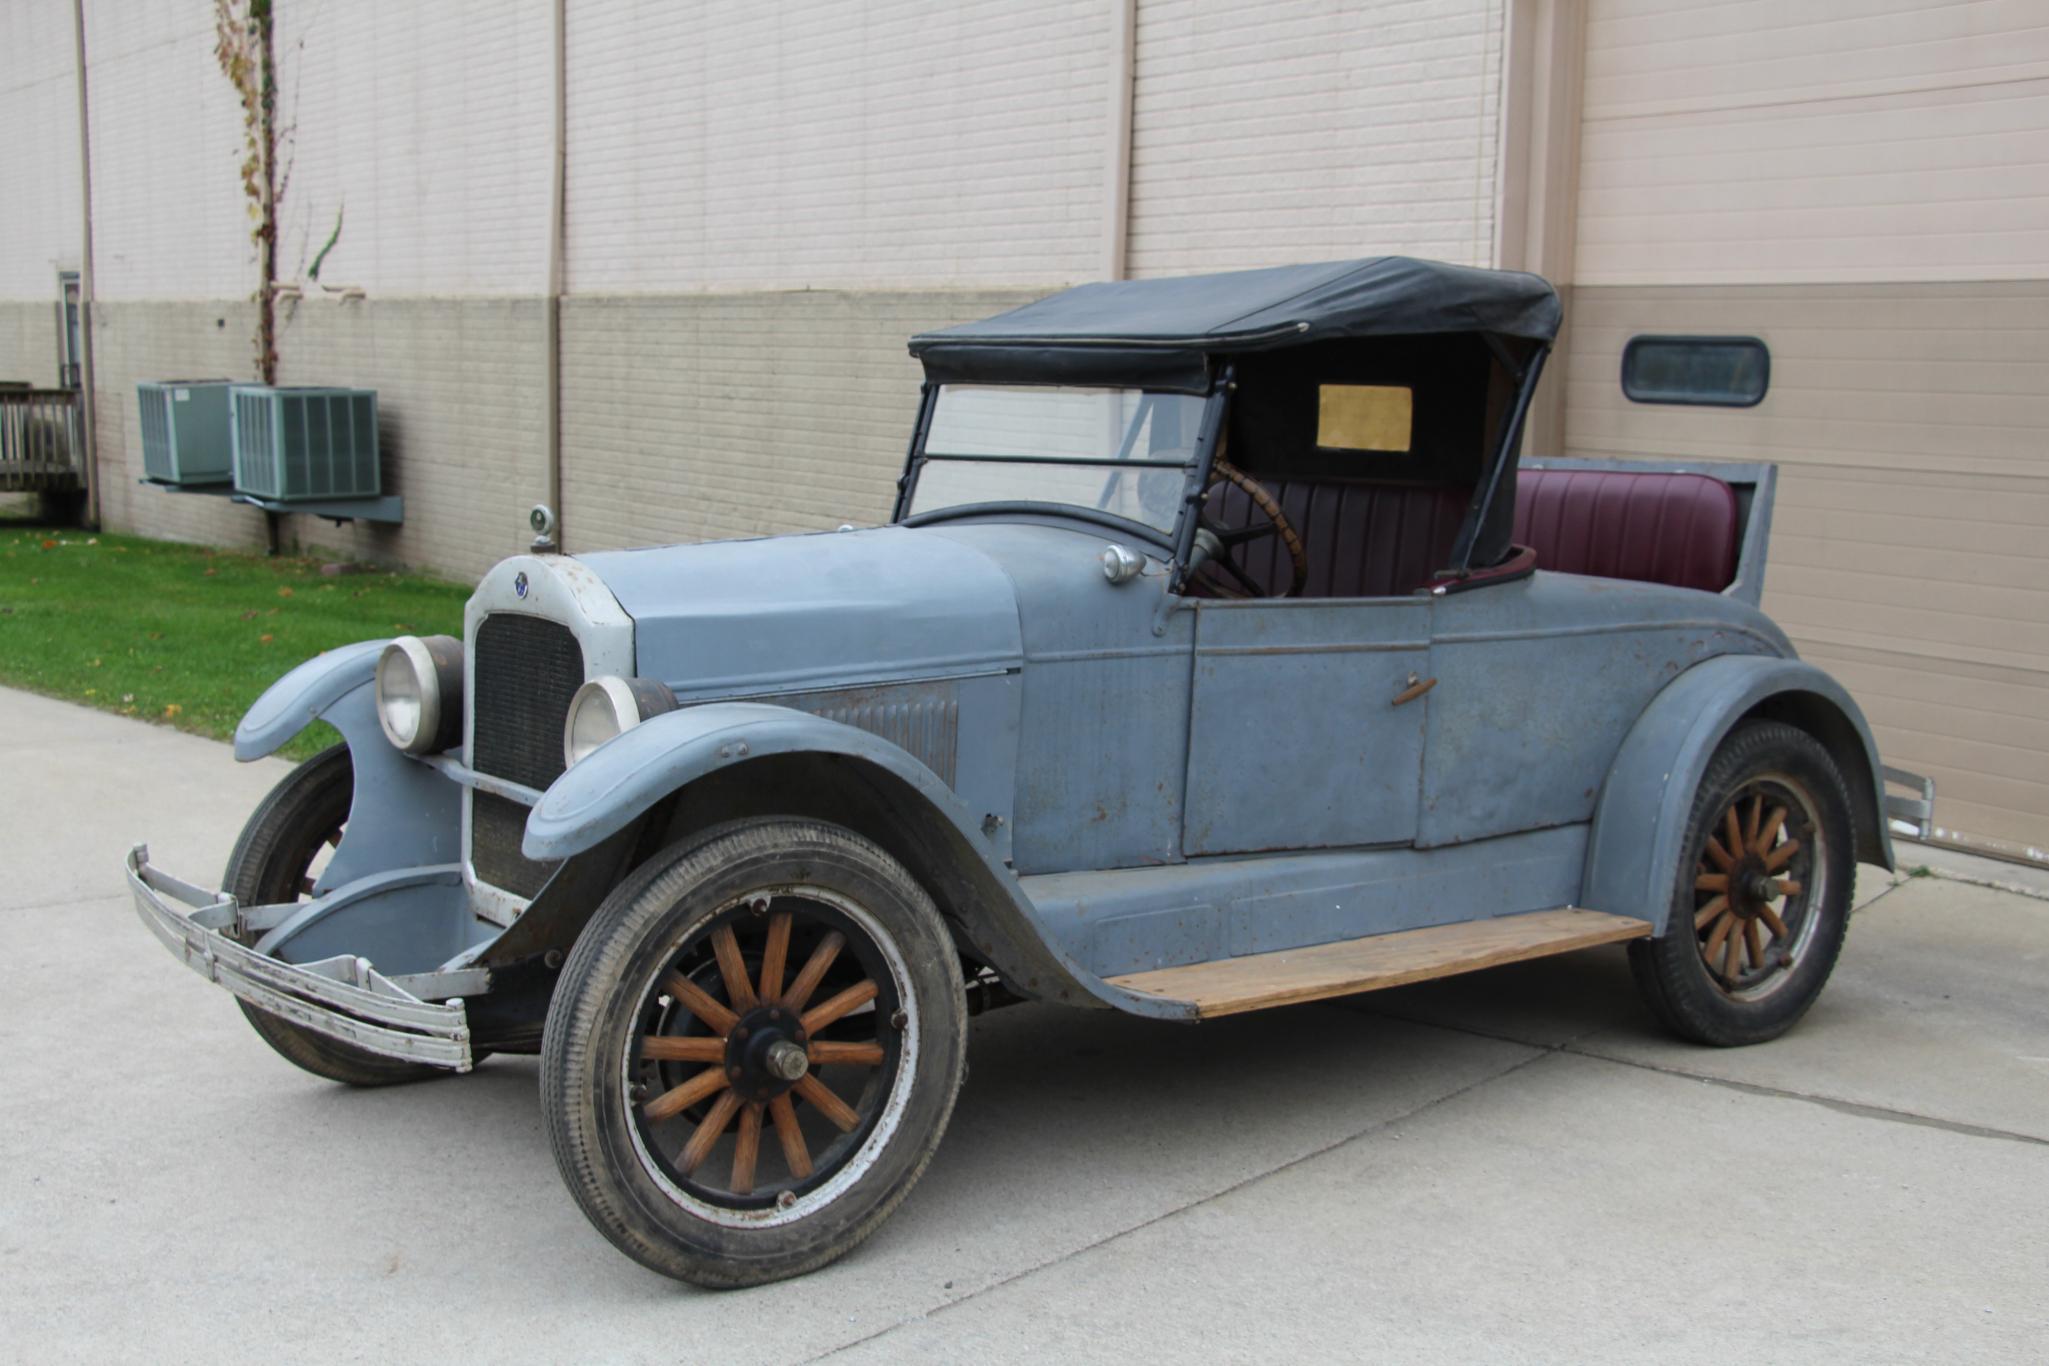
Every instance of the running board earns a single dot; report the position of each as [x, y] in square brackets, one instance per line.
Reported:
[1257, 981]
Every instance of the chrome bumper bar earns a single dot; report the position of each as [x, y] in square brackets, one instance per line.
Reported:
[343, 998]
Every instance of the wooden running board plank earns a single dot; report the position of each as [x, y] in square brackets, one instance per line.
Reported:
[1258, 981]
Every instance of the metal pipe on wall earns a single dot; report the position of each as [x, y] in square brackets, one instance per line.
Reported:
[552, 306]
[1117, 159]
[89, 438]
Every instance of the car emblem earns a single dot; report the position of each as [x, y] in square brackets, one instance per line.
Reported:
[519, 585]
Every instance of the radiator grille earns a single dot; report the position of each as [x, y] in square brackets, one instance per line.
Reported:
[527, 669]
[496, 826]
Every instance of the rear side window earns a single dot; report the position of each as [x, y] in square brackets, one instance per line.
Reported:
[1364, 417]
[1722, 372]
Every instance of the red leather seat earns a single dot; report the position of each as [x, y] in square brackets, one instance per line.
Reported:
[1648, 525]
[1364, 540]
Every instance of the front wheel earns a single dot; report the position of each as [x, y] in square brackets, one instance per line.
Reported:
[1763, 896]
[753, 1052]
[287, 841]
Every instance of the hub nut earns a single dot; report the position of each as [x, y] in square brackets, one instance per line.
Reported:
[786, 1061]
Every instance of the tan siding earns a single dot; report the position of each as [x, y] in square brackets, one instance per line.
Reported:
[28, 341]
[425, 130]
[39, 174]
[1758, 141]
[901, 142]
[1272, 131]
[1910, 545]
[740, 414]
[169, 217]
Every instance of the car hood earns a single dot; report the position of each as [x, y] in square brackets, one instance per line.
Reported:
[828, 610]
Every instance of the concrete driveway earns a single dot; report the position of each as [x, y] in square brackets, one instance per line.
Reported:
[1510, 1167]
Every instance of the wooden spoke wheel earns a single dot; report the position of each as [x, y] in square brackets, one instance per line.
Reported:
[773, 1039]
[753, 1051]
[1752, 914]
[1763, 896]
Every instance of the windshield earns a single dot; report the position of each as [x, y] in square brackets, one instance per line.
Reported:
[1124, 452]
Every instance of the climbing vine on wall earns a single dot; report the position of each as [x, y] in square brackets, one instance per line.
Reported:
[242, 47]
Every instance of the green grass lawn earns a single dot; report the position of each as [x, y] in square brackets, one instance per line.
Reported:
[187, 635]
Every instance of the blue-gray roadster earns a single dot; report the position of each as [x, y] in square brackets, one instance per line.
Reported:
[1220, 654]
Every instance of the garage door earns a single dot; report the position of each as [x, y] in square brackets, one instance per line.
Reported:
[1865, 187]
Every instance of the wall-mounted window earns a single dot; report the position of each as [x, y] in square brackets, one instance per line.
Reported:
[1722, 372]
[1364, 417]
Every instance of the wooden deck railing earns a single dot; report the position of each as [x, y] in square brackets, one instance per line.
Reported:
[41, 444]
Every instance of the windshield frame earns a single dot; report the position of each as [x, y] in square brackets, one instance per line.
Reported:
[1173, 540]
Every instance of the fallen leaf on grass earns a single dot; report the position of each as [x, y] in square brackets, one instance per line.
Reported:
[49, 545]
[265, 638]
[284, 592]
[171, 709]
[249, 615]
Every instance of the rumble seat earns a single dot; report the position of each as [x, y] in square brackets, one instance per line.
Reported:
[1653, 526]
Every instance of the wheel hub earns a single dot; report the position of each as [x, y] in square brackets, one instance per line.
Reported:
[766, 1053]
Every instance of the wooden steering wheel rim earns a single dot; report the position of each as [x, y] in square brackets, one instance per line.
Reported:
[1223, 471]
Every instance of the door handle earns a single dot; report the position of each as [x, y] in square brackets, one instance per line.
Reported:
[1417, 687]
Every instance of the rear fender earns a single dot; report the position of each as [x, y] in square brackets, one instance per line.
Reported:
[1639, 829]
[404, 814]
[722, 742]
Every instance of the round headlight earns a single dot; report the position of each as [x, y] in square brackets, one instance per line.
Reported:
[419, 693]
[606, 706]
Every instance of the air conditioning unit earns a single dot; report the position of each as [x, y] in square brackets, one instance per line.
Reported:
[305, 444]
[185, 438]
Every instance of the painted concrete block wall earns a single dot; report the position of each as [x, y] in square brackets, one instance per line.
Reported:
[459, 417]
[424, 131]
[39, 198]
[741, 414]
[912, 142]
[1273, 131]
[1831, 140]
[169, 217]
[137, 340]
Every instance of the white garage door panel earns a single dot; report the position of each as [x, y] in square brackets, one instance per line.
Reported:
[1823, 141]
[1910, 542]
[1649, 56]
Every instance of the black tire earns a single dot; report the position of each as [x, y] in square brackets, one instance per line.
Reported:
[269, 865]
[1791, 876]
[670, 920]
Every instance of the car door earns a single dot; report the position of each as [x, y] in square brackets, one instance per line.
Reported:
[1306, 727]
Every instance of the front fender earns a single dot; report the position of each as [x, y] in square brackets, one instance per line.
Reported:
[1639, 828]
[304, 696]
[403, 813]
[630, 773]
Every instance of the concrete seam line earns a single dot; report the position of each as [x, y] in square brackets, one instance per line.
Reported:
[1849, 1107]
[1537, 1054]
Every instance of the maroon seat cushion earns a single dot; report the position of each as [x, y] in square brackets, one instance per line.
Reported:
[1649, 525]
[1364, 540]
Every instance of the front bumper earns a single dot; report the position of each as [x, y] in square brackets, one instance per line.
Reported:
[343, 997]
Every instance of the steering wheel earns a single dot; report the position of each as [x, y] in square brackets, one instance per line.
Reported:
[1222, 471]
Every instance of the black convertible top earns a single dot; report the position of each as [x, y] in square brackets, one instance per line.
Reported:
[1164, 333]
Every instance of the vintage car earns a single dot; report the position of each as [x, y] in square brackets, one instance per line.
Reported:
[1220, 654]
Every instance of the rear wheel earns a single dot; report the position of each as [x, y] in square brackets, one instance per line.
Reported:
[279, 855]
[753, 1052]
[1763, 895]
